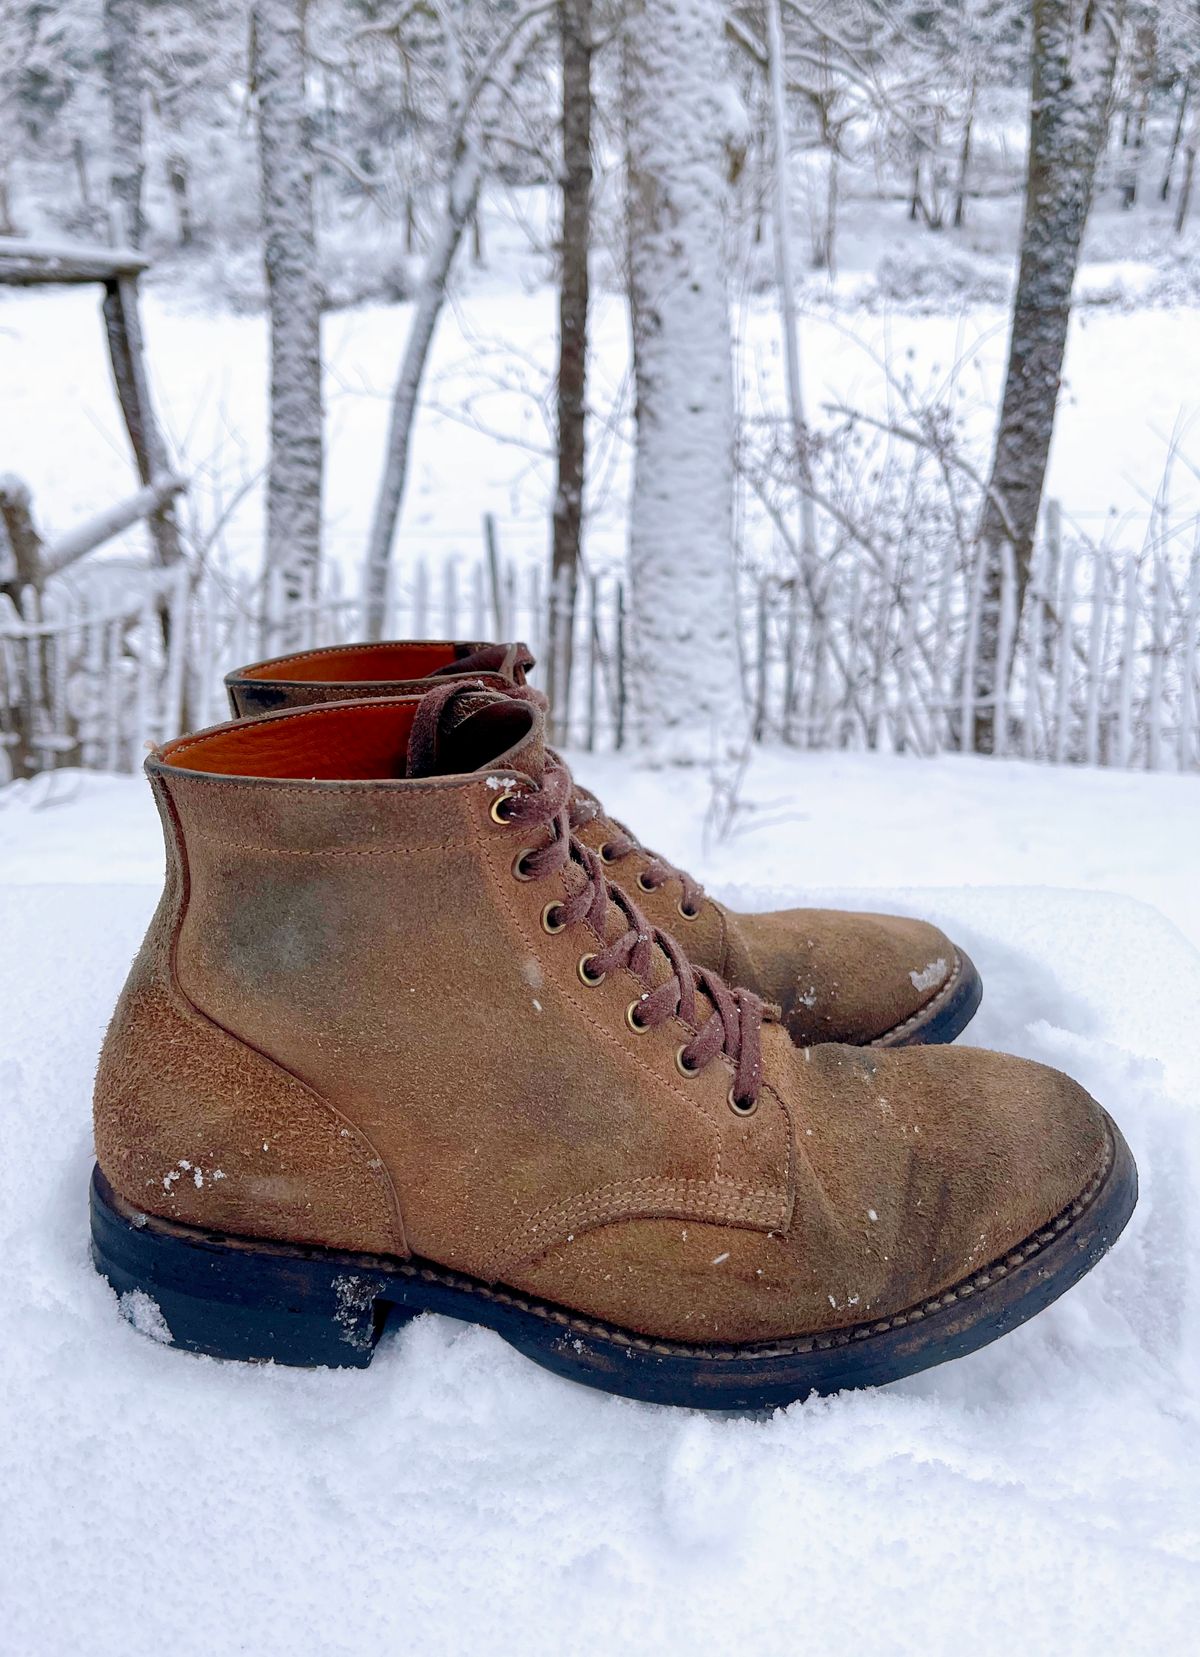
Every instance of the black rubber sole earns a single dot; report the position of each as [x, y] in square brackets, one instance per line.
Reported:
[948, 1015]
[232, 1298]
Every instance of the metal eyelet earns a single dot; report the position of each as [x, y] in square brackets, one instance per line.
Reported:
[686, 1070]
[592, 980]
[741, 1107]
[547, 924]
[496, 811]
[605, 853]
[645, 885]
[518, 864]
[686, 914]
[633, 1021]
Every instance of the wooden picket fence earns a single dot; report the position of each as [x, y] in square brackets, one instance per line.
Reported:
[1104, 654]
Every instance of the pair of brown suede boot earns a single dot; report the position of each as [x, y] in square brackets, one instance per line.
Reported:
[417, 1026]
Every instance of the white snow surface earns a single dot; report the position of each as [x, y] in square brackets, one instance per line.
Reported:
[1041, 1496]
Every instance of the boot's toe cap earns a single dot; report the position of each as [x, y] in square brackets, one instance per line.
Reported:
[846, 977]
[956, 1156]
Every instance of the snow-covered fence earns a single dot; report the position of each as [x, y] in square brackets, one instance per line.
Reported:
[90, 673]
[1104, 654]
[1103, 649]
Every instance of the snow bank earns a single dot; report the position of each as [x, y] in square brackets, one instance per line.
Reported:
[1041, 1495]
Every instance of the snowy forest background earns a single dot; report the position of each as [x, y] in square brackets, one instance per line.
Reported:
[714, 348]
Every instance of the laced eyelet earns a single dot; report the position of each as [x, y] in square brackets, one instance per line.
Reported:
[741, 1107]
[547, 924]
[686, 914]
[686, 1070]
[645, 885]
[591, 979]
[606, 853]
[633, 1021]
[520, 872]
[497, 811]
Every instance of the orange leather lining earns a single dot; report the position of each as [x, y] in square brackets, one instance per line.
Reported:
[343, 742]
[358, 663]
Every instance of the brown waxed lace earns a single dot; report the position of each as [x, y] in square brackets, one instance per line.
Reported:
[516, 660]
[585, 807]
[732, 1028]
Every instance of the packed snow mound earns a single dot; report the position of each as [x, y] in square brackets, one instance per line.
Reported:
[1042, 1495]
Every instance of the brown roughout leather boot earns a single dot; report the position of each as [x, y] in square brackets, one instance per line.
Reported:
[394, 1043]
[871, 980]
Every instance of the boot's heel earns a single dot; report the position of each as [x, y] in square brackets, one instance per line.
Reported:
[231, 1299]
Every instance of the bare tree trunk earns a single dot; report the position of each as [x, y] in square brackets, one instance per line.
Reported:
[79, 156]
[177, 177]
[786, 278]
[1145, 59]
[1074, 55]
[461, 197]
[575, 24]
[1185, 190]
[295, 471]
[964, 158]
[1164, 189]
[7, 227]
[121, 24]
[24, 542]
[685, 650]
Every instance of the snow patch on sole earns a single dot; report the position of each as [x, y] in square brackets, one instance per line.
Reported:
[144, 1313]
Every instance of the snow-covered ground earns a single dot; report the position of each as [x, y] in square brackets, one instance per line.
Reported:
[1041, 1496]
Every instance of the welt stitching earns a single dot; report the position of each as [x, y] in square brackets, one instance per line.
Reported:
[1028, 1249]
[922, 1013]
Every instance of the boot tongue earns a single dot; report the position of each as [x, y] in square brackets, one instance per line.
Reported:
[459, 728]
[509, 661]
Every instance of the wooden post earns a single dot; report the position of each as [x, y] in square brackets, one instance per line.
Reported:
[123, 323]
[760, 666]
[1189, 727]
[26, 544]
[620, 734]
[592, 664]
[493, 560]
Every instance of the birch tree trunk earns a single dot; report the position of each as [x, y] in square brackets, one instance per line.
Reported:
[575, 26]
[1074, 54]
[127, 166]
[296, 460]
[777, 71]
[688, 702]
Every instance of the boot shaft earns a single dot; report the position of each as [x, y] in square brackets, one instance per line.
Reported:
[351, 672]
